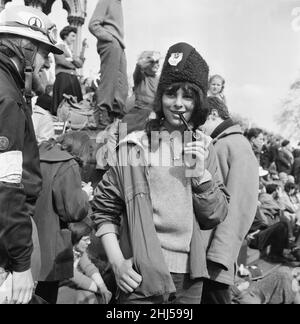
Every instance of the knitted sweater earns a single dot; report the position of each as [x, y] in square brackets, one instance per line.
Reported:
[108, 18]
[171, 195]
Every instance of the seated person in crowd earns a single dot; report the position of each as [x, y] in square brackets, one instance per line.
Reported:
[87, 285]
[281, 287]
[270, 228]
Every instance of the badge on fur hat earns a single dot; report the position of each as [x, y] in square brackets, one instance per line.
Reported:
[4, 143]
[175, 59]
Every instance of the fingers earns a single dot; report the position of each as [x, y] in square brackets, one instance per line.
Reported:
[16, 295]
[135, 276]
[125, 288]
[196, 149]
[22, 296]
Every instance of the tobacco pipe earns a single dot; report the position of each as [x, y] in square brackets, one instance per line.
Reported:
[188, 127]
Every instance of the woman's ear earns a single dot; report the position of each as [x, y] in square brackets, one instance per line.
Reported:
[214, 114]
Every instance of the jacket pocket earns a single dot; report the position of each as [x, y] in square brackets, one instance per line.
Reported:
[138, 189]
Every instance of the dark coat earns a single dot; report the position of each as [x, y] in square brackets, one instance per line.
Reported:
[62, 202]
[20, 178]
[283, 162]
[296, 170]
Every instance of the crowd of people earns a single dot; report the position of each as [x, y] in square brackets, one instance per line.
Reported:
[165, 220]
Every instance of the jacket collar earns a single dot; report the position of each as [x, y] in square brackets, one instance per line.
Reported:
[222, 127]
[55, 154]
[231, 130]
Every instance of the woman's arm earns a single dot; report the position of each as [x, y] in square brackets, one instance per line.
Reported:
[83, 282]
[127, 279]
[107, 208]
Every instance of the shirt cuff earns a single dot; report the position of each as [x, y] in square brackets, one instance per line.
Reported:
[108, 229]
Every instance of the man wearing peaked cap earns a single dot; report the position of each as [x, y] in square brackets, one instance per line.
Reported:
[27, 36]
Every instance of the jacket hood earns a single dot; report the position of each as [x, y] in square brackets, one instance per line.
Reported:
[53, 155]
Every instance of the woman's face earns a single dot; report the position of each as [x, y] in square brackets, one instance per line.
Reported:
[71, 38]
[153, 68]
[176, 100]
[259, 141]
[83, 244]
[216, 86]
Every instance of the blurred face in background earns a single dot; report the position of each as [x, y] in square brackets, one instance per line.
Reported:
[83, 245]
[258, 141]
[216, 86]
[70, 39]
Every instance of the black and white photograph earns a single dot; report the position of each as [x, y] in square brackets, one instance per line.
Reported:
[150, 155]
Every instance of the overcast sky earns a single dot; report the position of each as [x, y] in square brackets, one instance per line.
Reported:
[250, 42]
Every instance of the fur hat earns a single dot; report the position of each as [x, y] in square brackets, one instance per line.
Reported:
[184, 64]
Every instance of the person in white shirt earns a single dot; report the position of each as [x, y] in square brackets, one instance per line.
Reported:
[42, 119]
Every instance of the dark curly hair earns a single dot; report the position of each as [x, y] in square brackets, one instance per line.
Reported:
[199, 115]
[253, 133]
[67, 31]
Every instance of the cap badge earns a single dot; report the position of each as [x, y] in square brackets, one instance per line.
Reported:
[35, 22]
[175, 59]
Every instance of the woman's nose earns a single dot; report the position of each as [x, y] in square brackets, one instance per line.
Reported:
[178, 102]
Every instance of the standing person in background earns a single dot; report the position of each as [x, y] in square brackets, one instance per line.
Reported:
[65, 68]
[107, 25]
[146, 79]
[216, 87]
[239, 170]
[256, 138]
[63, 200]
[285, 159]
[145, 86]
[23, 47]
[296, 167]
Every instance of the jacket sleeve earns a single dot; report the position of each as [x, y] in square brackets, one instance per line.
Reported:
[71, 202]
[78, 62]
[97, 20]
[260, 223]
[61, 60]
[241, 181]
[108, 205]
[15, 223]
[81, 281]
[211, 198]
[138, 76]
[87, 266]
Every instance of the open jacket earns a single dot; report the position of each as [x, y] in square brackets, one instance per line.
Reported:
[239, 171]
[123, 197]
[20, 177]
[62, 202]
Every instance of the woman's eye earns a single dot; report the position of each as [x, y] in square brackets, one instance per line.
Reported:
[171, 95]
